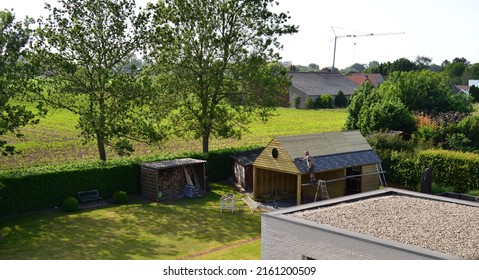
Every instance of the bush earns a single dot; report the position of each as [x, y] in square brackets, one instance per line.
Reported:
[70, 204]
[324, 101]
[309, 103]
[456, 169]
[120, 197]
[340, 100]
[386, 115]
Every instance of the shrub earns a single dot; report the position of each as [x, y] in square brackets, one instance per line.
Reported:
[456, 169]
[120, 197]
[386, 115]
[309, 103]
[340, 100]
[324, 101]
[70, 204]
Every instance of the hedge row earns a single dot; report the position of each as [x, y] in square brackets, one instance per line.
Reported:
[454, 169]
[47, 186]
[457, 170]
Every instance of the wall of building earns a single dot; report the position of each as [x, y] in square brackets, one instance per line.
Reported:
[369, 182]
[294, 239]
[293, 92]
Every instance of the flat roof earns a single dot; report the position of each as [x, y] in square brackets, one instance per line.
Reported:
[440, 224]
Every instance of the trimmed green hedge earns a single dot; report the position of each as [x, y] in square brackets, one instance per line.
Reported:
[458, 171]
[47, 186]
[455, 169]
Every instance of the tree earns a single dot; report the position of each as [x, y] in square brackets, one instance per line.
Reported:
[455, 70]
[423, 62]
[340, 100]
[313, 67]
[364, 95]
[218, 54]
[402, 65]
[424, 91]
[83, 46]
[389, 114]
[15, 75]
[474, 92]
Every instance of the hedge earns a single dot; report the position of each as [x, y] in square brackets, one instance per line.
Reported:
[454, 170]
[46, 187]
[458, 170]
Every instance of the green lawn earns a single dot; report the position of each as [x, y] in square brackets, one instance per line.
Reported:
[188, 229]
[56, 139]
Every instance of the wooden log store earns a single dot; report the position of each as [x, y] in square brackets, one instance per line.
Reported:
[171, 179]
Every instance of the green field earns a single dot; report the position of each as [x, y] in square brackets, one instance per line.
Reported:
[56, 139]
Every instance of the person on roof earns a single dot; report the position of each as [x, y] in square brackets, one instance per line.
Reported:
[310, 163]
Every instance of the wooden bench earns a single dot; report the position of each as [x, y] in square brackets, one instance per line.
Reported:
[253, 205]
[88, 196]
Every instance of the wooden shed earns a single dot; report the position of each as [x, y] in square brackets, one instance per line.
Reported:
[344, 160]
[169, 179]
[243, 168]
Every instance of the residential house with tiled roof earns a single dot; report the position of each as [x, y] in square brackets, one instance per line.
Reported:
[307, 85]
[374, 79]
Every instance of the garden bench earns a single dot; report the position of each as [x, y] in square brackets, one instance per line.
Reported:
[90, 195]
[253, 205]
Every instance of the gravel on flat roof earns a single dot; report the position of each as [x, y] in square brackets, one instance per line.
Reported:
[445, 227]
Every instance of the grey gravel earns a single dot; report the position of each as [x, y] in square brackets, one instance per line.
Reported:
[440, 226]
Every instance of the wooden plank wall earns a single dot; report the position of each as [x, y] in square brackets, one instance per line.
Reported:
[149, 183]
[272, 184]
[369, 182]
[335, 189]
[283, 163]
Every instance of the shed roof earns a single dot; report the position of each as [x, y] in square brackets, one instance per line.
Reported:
[322, 144]
[315, 83]
[164, 164]
[330, 150]
[247, 157]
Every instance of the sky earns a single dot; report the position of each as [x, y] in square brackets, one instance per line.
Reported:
[438, 29]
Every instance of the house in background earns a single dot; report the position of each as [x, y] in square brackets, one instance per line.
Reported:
[374, 79]
[461, 88]
[344, 160]
[314, 84]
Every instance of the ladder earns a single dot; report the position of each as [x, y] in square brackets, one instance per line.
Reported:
[323, 189]
[382, 178]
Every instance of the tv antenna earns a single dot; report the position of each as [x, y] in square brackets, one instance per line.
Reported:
[355, 36]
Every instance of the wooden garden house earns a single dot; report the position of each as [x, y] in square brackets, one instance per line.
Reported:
[344, 160]
[170, 179]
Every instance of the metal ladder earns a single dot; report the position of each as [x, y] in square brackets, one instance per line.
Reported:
[324, 190]
[382, 178]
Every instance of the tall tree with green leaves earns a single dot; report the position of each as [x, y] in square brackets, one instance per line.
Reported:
[220, 56]
[83, 46]
[15, 75]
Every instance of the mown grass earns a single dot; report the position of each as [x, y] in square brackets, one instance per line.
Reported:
[187, 229]
[56, 139]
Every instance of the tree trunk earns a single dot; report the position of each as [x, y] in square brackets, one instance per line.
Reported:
[206, 140]
[101, 146]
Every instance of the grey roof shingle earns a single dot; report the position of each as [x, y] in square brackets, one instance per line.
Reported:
[339, 161]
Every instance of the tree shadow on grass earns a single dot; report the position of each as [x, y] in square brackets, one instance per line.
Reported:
[133, 231]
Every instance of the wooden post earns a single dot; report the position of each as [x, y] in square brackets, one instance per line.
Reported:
[254, 183]
[298, 190]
